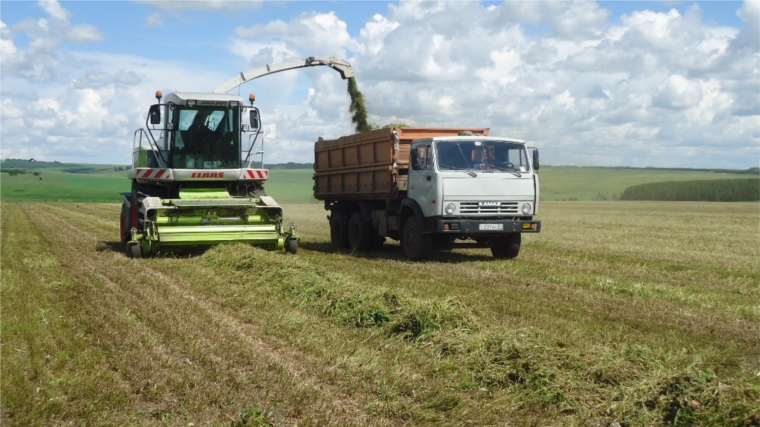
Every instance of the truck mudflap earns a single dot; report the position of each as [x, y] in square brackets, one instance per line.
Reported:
[485, 226]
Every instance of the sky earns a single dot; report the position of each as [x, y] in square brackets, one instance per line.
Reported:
[638, 84]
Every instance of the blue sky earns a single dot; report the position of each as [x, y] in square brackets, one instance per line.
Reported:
[666, 84]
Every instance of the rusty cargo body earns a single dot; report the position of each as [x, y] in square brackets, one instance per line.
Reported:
[370, 165]
[429, 188]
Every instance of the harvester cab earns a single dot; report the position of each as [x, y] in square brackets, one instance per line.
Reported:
[198, 171]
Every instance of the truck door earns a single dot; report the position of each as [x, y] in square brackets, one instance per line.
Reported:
[422, 184]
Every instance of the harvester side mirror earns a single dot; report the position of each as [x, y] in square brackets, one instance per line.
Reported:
[254, 119]
[536, 165]
[155, 114]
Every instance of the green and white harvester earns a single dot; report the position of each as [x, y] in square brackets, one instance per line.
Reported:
[198, 171]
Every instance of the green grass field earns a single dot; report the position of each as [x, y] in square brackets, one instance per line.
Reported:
[295, 186]
[617, 313]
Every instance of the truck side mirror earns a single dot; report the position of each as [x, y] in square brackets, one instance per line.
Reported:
[536, 164]
[155, 114]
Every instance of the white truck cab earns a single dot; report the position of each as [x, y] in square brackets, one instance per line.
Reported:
[474, 187]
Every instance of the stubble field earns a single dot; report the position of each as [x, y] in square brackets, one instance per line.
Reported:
[618, 312]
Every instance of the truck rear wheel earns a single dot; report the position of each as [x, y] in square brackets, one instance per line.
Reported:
[359, 233]
[339, 230]
[507, 247]
[417, 246]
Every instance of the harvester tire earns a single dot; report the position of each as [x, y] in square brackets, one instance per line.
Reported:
[125, 221]
[359, 233]
[291, 245]
[417, 245]
[339, 230]
[135, 251]
[507, 247]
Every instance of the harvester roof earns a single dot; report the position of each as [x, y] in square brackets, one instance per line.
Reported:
[180, 98]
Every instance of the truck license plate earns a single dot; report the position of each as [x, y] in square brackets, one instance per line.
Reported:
[491, 226]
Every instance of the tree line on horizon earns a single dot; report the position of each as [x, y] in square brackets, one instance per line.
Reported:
[716, 190]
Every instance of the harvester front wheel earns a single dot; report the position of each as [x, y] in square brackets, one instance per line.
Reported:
[291, 245]
[339, 230]
[135, 251]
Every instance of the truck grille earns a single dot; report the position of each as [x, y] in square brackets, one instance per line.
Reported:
[502, 209]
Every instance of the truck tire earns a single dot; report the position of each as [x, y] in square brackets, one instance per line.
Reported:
[339, 230]
[377, 242]
[417, 245]
[359, 233]
[506, 247]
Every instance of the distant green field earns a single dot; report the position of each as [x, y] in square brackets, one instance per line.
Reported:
[597, 183]
[295, 185]
[63, 187]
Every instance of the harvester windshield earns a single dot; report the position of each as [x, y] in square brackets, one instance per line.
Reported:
[206, 138]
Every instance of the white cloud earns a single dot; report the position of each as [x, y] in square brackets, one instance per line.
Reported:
[652, 89]
[55, 10]
[313, 32]
[41, 60]
[155, 20]
[7, 47]
[224, 6]
[374, 32]
[677, 92]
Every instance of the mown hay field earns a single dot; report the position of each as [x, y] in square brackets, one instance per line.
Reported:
[633, 313]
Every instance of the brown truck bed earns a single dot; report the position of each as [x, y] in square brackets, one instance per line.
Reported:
[368, 166]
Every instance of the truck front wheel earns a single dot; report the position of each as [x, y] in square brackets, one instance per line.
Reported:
[417, 246]
[506, 247]
[339, 230]
[359, 233]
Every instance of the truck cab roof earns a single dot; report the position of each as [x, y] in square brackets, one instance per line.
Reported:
[422, 141]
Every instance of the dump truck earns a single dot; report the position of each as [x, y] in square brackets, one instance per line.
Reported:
[198, 173]
[429, 188]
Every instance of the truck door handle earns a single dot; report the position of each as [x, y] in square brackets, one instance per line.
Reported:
[429, 178]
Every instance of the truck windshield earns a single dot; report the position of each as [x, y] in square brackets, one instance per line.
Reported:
[495, 156]
[206, 138]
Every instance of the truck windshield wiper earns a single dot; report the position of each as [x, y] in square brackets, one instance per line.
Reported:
[517, 174]
[453, 168]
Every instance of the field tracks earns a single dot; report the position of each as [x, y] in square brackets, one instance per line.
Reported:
[174, 349]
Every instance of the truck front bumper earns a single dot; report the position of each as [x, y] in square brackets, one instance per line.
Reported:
[486, 226]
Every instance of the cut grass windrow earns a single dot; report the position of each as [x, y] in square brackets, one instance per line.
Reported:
[543, 372]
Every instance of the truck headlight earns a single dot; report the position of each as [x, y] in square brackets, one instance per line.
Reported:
[451, 208]
[526, 209]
